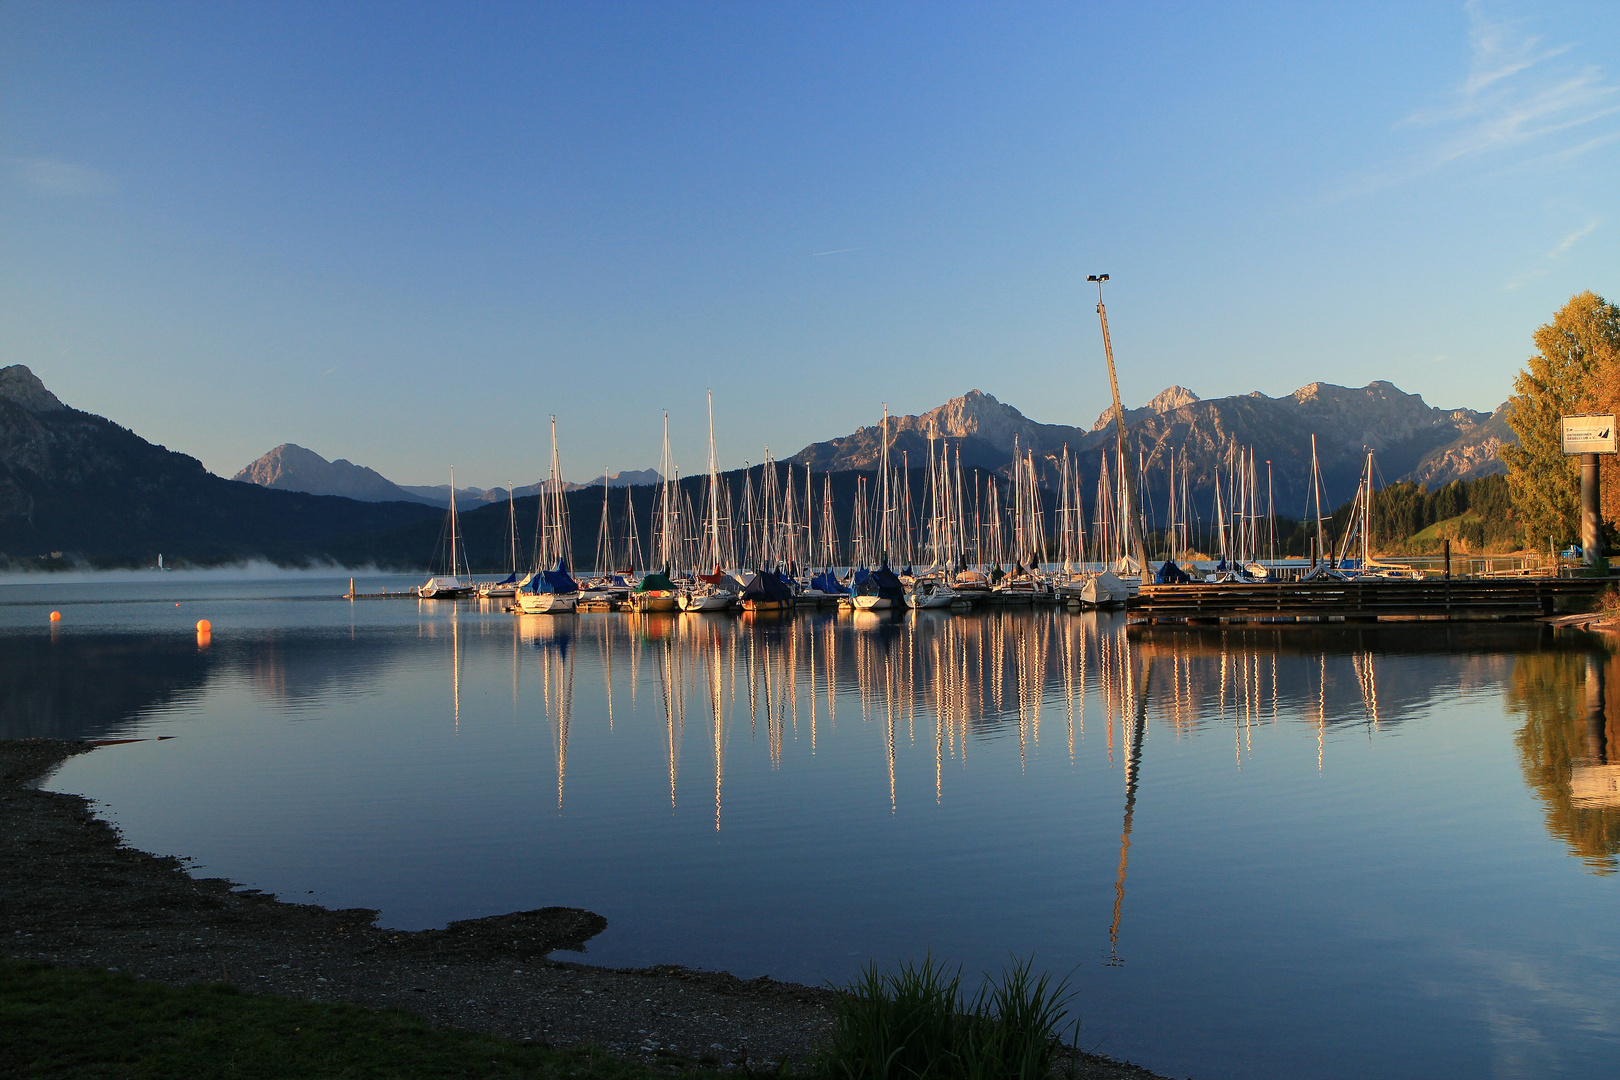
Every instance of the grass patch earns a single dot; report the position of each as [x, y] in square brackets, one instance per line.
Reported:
[915, 1024]
[78, 1023]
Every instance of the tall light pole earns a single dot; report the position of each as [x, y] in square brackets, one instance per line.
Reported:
[1133, 526]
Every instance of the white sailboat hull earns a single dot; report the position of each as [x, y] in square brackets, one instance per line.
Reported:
[715, 601]
[546, 603]
[924, 597]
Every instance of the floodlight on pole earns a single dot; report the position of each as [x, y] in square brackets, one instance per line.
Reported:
[1133, 525]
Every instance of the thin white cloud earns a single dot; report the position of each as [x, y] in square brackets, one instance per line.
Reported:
[1570, 241]
[57, 179]
[1518, 92]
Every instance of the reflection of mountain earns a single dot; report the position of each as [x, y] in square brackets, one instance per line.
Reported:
[1560, 738]
[91, 686]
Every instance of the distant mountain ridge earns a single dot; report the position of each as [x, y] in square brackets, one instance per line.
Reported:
[1410, 439]
[80, 485]
[290, 467]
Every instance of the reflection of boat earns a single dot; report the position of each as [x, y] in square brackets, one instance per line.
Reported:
[451, 585]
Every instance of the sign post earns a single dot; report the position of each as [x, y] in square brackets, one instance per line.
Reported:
[1589, 435]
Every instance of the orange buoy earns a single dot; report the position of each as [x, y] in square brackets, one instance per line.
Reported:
[204, 626]
[56, 616]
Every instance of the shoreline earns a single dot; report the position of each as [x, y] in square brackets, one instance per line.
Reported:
[74, 894]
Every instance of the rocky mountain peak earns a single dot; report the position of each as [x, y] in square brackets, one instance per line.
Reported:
[20, 385]
[1167, 400]
[291, 467]
[1172, 398]
[976, 414]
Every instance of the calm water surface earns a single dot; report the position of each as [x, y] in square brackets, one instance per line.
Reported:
[1293, 853]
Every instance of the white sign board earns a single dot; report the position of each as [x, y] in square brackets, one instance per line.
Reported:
[1589, 435]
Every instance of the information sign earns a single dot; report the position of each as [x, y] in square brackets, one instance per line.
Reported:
[1589, 434]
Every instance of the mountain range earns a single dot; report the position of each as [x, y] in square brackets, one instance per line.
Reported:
[1410, 439]
[75, 483]
[290, 467]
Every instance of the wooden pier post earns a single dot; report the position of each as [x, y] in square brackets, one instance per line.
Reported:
[1448, 557]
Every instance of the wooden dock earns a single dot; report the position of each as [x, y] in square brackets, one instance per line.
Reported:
[1437, 599]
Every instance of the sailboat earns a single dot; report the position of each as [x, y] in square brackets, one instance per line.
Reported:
[451, 585]
[880, 589]
[930, 589]
[710, 592]
[1367, 567]
[554, 591]
[508, 585]
[656, 592]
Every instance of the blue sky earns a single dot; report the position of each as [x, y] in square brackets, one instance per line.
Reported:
[406, 234]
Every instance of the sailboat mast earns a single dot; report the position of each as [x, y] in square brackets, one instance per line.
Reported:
[453, 570]
[883, 468]
[714, 492]
[1316, 489]
[511, 511]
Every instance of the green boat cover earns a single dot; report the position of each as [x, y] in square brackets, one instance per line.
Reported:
[655, 583]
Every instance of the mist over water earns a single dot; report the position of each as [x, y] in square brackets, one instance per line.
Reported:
[1260, 853]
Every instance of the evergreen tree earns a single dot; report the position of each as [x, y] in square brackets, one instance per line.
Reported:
[1575, 369]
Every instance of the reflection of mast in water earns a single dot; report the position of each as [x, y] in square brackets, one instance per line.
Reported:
[557, 675]
[1369, 686]
[810, 641]
[674, 708]
[1067, 636]
[1105, 670]
[455, 664]
[940, 711]
[607, 665]
[832, 674]
[1321, 712]
[888, 705]
[1136, 733]
[719, 721]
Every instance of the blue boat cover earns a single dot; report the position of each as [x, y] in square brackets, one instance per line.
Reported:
[509, 579]
[767, 586]
[887, 584]
[1171, 574]
[559, 579]
[828, 583]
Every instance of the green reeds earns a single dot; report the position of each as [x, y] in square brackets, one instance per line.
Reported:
[914, 1023]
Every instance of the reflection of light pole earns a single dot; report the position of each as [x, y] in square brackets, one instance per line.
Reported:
[1132, 524]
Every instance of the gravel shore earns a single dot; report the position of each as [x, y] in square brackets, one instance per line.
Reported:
[72, 893]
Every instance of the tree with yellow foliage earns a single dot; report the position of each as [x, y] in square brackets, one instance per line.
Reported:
[1575, 369]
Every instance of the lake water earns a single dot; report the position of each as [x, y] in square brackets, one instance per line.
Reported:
[1336, 853]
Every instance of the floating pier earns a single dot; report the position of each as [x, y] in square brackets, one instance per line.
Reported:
[1437, 599]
